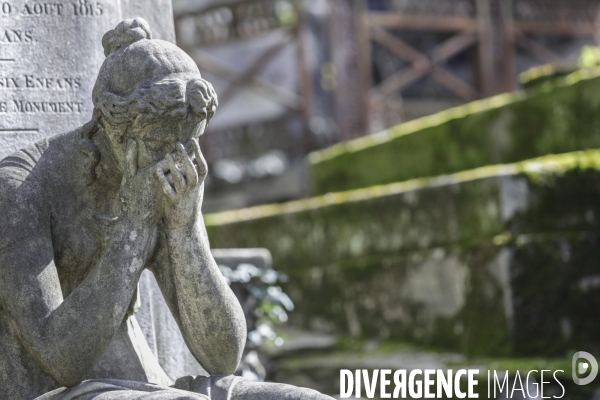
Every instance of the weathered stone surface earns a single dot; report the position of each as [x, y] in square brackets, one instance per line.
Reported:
[84, 213]
[162, 332]
[495, 253]
[556, 118]
[160, 328]
[48, 67]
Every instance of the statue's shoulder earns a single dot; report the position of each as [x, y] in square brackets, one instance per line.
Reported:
[25, 178]
[17, 167]
[28, 165]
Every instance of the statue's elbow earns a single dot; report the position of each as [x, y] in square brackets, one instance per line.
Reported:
[67, 377]
[68, 381]
[234, 356]
[224, 368]
[57, 362]
[222, 365]
[66, 371]
[241, 337]
[228, 357]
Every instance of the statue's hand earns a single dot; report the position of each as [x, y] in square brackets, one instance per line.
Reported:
[182, 178]
[140, 192]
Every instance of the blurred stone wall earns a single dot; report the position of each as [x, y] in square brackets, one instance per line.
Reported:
[498, 260]
[557, 117]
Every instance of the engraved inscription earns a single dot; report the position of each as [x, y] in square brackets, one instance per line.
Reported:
[36, 82]
[8, 83]
[43, 9]
[16, 36]
[5, 8]
[85, 9]
[78, 8]
[47, 67]
[59, 107]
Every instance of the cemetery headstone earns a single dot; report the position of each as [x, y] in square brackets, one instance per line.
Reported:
[48, 65]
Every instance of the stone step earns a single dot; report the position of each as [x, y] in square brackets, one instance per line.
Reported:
[558, 117]
[499, 260]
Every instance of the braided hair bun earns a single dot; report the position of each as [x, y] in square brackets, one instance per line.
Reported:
[126, 33]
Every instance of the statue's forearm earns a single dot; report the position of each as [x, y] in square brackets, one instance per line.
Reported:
[79, 330]
[211, 318]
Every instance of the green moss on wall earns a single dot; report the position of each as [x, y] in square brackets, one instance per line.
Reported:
[556, 117]
[536, 76]
[486, 262]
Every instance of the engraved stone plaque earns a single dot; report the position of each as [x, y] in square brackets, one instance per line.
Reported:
[50, 54]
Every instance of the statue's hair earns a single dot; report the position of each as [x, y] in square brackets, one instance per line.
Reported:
[144, 79]
[127, 32]
[173, 96]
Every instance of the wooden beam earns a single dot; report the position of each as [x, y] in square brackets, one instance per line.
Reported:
[557, 28]
[486, 54]
[399, 80]
[440, 54]
[460, 88]
[359, 8]
[507, 61]
[304, 78]
[539, 51]
[422, 66]
[399, 47]
[278, 94]
[453, 46]
[247, 76]
[421, 22]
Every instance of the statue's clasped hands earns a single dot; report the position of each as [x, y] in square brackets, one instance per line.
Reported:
[182, 174]
[179, 176]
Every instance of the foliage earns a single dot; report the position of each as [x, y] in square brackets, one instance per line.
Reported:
[265, 305]
[590, 57]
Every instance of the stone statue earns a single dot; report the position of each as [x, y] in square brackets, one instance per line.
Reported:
[82, 214]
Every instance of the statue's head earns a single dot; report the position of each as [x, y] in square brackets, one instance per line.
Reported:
[149, 90]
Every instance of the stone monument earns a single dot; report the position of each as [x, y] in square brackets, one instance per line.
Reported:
[83, 213]
[48, 67]
[47, 71]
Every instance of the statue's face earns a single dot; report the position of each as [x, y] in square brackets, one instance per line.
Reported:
[159, 138]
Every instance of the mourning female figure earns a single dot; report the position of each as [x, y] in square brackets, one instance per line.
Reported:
[82, 214]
